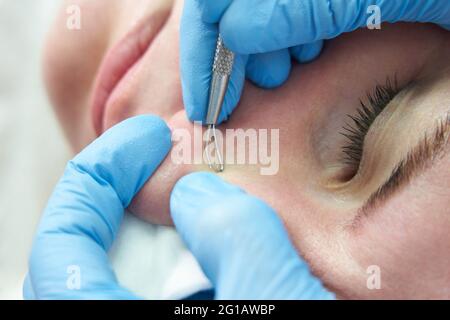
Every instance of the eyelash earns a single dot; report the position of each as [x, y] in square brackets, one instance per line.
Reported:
[356, 131]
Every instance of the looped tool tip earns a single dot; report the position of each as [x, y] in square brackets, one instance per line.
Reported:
[215, 163]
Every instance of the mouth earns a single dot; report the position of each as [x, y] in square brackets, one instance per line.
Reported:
[120, 59]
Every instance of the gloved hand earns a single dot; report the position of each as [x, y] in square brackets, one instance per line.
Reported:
[80, 223]
[265, 34]
[240, 242]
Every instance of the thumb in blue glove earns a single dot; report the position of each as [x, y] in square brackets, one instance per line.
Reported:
[84, 213]
[240, 242]
[265, 34]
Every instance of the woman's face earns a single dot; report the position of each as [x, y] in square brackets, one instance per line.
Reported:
[350, 207]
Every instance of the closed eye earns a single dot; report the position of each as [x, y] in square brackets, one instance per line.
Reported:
[356, 129]
[431, 148]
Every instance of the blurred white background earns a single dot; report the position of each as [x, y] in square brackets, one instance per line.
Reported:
[32, 149]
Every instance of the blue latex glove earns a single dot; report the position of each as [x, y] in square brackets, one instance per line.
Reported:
[240, 242]
[85, 211]
[266, 33]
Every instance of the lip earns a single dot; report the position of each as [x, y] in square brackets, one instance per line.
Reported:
[120, 59]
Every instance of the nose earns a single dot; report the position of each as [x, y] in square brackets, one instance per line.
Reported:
[152, 202]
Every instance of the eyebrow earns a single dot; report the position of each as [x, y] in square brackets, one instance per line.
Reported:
[430, 149]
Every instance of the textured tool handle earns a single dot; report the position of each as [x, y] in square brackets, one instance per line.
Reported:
[223, 59]
[221, 74]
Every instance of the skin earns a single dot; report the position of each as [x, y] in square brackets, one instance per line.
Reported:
[406, 235]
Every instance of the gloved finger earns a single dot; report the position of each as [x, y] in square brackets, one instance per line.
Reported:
[281, 24]
[307, 52]
[275, 24]
[69, 255]
[198, 41]
[28, 292]
[269, 70]
[240, 242]
[212, 11]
